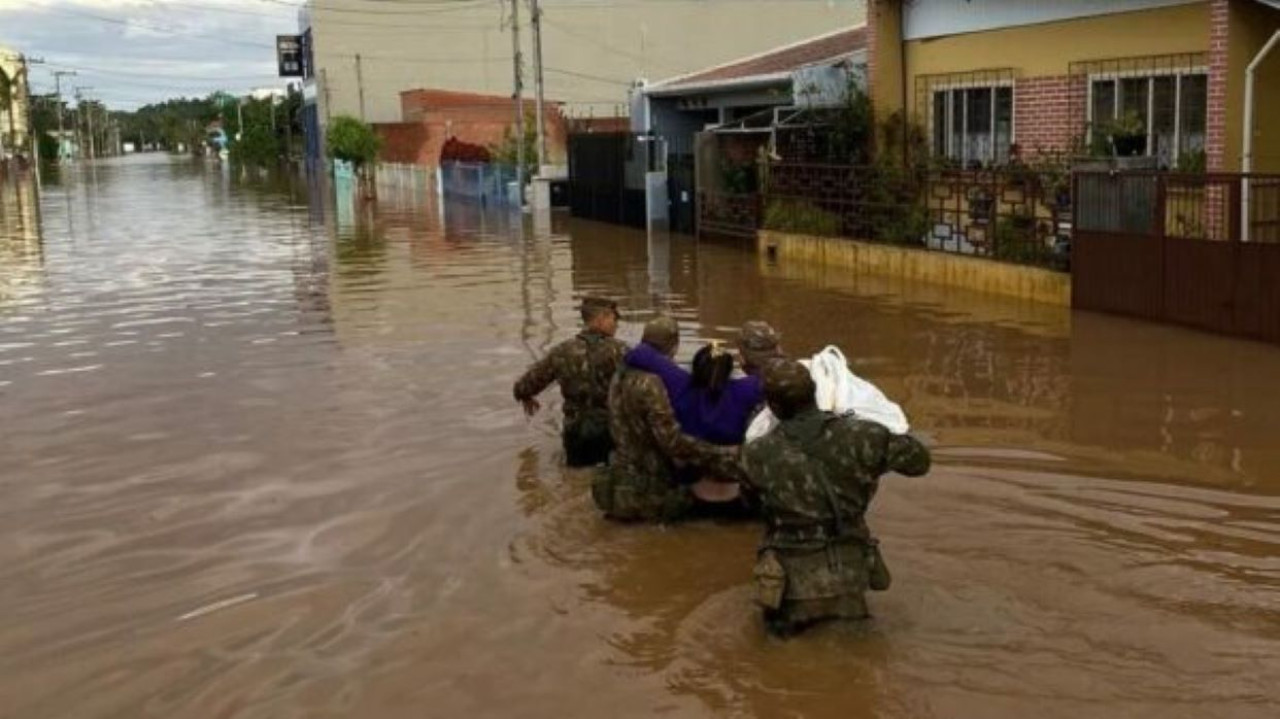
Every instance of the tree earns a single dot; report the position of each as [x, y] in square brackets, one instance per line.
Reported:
[506, 153]
[351, 140]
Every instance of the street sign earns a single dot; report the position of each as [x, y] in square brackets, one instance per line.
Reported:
[289, 55]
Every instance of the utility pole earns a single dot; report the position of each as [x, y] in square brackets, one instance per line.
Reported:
[360, 84]
[536, 9]
[288, 125]
[88, 112]
[518, 61]
[57, 82]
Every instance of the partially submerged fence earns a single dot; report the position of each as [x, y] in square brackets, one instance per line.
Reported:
[1199, 250]
[486, 183]
[1017, 215]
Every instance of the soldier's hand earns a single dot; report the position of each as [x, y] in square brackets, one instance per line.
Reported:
[531, 406]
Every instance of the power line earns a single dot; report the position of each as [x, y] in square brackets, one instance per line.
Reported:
[451, 7]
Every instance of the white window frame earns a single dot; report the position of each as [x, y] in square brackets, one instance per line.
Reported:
[1149, 76]
[949, 88]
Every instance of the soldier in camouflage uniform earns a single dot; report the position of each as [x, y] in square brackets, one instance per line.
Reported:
[584, 367]
[817, 474]
[758, 345]
[640, 481]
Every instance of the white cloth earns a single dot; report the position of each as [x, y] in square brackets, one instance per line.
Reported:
[841, 391]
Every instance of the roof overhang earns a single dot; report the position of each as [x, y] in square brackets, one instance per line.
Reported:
[751, 82]
[1271, 3]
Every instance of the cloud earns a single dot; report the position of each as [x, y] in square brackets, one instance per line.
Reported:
[131, 52]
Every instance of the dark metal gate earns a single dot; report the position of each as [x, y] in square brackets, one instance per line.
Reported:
[606, 178]
[1171, 248]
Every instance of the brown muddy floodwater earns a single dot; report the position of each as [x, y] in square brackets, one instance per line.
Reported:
[259, 458]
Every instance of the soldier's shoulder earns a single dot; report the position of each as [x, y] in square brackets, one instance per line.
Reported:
[863, 428]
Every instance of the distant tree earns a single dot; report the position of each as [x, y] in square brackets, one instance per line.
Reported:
[506, 153]
[351, 140]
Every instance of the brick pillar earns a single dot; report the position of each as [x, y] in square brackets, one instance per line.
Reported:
[1216, 120]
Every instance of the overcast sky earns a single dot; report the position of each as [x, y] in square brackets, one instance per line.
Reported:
[131, 52]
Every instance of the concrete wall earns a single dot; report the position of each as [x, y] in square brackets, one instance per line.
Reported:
[916, 265]
[593, 50]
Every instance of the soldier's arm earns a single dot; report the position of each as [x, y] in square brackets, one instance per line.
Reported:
[673, 376]
[907, 455]
[537, 378]
[752, 463]
[680, 447]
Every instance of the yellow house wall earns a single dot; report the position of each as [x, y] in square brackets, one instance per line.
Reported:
[1048, 49]
[1251, 25]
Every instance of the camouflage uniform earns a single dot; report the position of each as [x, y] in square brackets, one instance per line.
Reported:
[584, 367]
[760, 345]
[639, 483]
[817, 474]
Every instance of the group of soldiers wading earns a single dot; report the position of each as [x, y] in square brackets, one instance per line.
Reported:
[672, 445]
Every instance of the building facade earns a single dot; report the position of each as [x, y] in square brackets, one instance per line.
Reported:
[363, 54]
[986, 78]
[15, 112]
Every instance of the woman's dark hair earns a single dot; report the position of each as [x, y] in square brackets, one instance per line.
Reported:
[712, 368]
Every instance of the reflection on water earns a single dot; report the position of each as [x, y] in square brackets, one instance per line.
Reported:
[259, 459]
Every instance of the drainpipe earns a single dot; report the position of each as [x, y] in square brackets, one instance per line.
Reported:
[1247, 165]
[902, 62]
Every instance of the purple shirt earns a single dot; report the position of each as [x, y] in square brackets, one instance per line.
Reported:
[720, 420]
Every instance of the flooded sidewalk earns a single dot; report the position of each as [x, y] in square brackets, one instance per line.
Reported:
[259, 458]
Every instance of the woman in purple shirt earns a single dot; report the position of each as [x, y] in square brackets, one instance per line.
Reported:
[708, 403]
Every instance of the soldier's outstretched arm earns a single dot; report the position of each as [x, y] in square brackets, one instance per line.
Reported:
[537, 378]
[907, 455]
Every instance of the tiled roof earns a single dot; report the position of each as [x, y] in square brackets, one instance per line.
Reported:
[786, 59]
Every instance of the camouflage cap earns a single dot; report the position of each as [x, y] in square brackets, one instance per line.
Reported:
[759, 342]
[788, 387]
[593, 304]
[661, 332]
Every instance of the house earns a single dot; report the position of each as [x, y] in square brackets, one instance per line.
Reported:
[429, 118]
[811, 73]
[14, 113]
[983, 76]
[357, 57]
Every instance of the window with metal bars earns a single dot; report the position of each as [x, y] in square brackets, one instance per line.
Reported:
[973, 125]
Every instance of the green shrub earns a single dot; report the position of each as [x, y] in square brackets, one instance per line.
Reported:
[351, 140]
[800, 217]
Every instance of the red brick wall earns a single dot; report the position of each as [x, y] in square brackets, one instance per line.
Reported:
[1216, 130]
[1047, 112]
[482, 120]
[401, 141]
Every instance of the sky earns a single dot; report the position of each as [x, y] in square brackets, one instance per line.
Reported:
[128, 53]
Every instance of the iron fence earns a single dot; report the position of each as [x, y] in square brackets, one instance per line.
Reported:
[1015, 214]
[1217, 207]
[488, 184]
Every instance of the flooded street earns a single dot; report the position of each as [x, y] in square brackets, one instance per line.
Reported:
[259, 458]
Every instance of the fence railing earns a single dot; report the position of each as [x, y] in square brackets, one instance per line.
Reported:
[1201, 250]
[1219, 207]
[1013, 215]
[402, 177]
[479, 182]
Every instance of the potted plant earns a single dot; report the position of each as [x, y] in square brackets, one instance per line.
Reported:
[1128, 135]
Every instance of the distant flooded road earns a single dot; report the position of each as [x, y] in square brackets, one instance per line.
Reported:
[259, 458]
